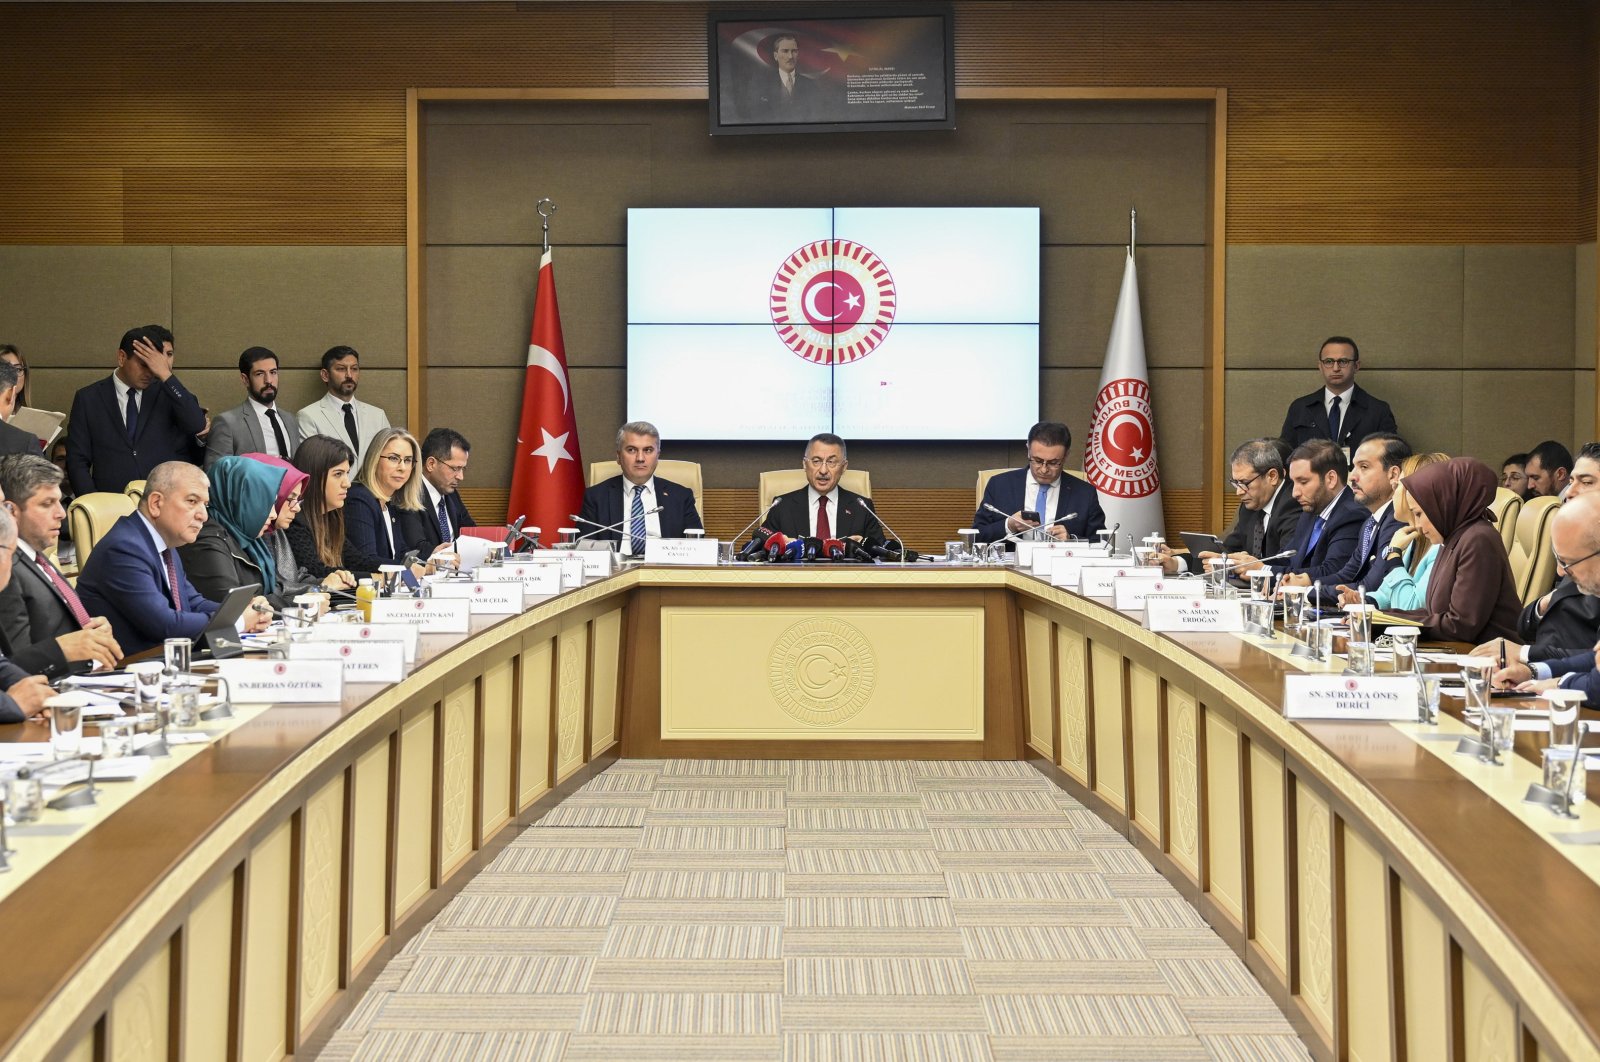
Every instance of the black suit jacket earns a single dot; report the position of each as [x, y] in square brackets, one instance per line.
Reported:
[1359, 416]
[602, 504]
[1569, 626]
[1368, 568]
[1005, 492]
[17, 441]
[1275, 537]
[366, 545]
[791, 516]
[422, 525]
[1340, 537]
[99, 456]
[32, 616]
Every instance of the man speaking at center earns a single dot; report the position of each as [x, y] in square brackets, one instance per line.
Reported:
[822, 508]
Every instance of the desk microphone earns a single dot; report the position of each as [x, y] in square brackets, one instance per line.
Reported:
[514, 532]
[600, 529]
[776, 544]
[900, 555]
[1240, 564]
[1015, 536]
[757, 545]
[762, 515]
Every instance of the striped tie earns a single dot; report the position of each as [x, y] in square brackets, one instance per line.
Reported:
[636, 523]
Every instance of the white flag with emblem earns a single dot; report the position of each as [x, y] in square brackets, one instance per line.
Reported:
[1119, 459]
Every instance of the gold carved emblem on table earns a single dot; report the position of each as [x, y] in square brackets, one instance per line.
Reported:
[822, 672]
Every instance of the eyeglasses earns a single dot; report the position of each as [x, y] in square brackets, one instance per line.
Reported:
[817, 462]
[1039, 462]
[459, 470]
[1338, 363]
[1244, 484]
[1567, 566]
[294, 503]
[398, 459]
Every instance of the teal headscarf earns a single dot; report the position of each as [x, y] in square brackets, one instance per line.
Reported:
[243, 493]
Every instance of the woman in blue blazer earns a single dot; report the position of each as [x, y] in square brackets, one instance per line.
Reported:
[390, 480]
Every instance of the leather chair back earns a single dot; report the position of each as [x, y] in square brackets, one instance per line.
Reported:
[1533, 562]
[1507, 507]
[683, 473]
[135, 490]
[91, 515]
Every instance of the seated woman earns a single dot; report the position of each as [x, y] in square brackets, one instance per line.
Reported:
[316, 536]
[390, 480]
[1406, 585]
[293, 578]
[229, 551]
[1470, 595]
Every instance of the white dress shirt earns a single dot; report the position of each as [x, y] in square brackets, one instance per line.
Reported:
[1030, 494]
[652, 521]
[833, 510]
[269, 441]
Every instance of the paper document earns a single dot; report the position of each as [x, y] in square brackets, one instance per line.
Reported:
[41, 422]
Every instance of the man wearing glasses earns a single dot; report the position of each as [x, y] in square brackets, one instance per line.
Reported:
[443, 513]
[1340, 411]
[1039, 495]
[823, 509]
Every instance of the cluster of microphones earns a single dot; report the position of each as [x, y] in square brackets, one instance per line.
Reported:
[777, 548]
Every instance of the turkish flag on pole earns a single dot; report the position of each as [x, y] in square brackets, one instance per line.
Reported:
[1119, 459]
[547, 481]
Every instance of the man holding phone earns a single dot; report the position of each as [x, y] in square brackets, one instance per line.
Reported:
[1040, 495]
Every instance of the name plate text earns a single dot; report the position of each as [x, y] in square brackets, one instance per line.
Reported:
[538, 580]
[1096, 580]
[282, 682]
[362, 661]
[404, 633]
[1386, 698]
[1130, 594]
[431, 615]
[695, 551]
[1174, 612]
[500, 598]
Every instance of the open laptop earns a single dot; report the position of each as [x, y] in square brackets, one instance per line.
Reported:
[221, 636]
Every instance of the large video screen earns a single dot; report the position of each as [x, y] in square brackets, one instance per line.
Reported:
[874, 323]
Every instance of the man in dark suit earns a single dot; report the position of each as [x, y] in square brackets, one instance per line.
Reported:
[256, 425]
[1340, 411]
[126, 425]
[780, 93]
[44, 626]
[13, 440]
[1374, 474]
[1268, 514]
[630, 496]
[24, 694]
[135, 578]
[1041, 488]
[443, 514]
[822, 508]
[1330, 525]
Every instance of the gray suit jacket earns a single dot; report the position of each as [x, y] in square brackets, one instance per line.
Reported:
[320, 418]
[238, 431]
[32, 616]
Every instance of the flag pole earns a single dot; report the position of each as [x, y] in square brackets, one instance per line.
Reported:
[544, 217]
[1133, 231]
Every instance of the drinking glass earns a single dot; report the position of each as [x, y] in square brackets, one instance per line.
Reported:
[1404, 640]
[185, 705]
[1261, 580]
[1499, 728]
[116, 738]
[147, 676]
[1563, 766]
[1294, 603]
[176, 653]
[66, 725]
[1475, 677]
[1428, 699]
[24, 797]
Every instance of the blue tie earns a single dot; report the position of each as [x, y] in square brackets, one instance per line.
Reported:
[636, 523]
[444, 523]
[1333, 419]
[1316, 534]
[133, 414]
[1039, 505]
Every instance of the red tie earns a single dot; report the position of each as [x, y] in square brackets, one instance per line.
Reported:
[824, 529]
[63, 588]
[172, 577]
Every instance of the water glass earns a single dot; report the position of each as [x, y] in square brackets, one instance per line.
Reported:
[1428, 699]
[1564, 766]
[1564, 729]
[1360, 619]
[1258, 617]
[725, 552]
[388, 579]
[1359, 657]
[116, 738]
[147, 676]
[1475, 677]
[1294, 603]
[1404, 640]
[1499, 728]
[953, 552]
[24, 797]
[185, 705]
[1319, 638]
[175, 653]
[1144, 557]
[1261, 580]
[1216, 575]
[66, 724]
[495, 554]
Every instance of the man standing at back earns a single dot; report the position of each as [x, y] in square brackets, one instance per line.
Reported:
[256, 425]
[1340, 411]
[127, 424]
[339, 412]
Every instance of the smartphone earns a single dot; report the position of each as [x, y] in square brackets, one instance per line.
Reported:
[1029, 514]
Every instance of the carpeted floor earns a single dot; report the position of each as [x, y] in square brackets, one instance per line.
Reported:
[748, 910]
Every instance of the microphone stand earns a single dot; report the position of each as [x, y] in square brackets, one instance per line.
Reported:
[762, 515]
[1016, 536]
[600, 529]
[894, 537]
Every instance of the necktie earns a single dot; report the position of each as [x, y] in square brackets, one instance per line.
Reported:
[1316, 534]
[1369, 530]
[277, 433]
[824, 528]
[350, 430]
[133, 413]
[1333, 419]
[636, 523]
[64, 588]
[444, 523]
[171, 561]
[1042, 502]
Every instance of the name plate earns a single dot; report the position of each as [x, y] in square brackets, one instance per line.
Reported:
[404, 633]
[1042, 555]
[538, 580]
[499, 598]
[362, 661]
[431, 615]
[570, 562]
[1067, 572]
[1096, 580]
[1185, 612]
[1130, 593]
[280, 682]
[696, 551]
[1387, 698]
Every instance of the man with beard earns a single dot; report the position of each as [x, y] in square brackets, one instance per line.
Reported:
[256, 425]
[339, 413]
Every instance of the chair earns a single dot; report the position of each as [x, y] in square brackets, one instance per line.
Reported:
[91, 515]
[1507, 507]
[683, 473]
[135, 490]
[1533, 562]
[784, 480]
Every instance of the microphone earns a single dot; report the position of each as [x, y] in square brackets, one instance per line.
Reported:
[1230, 567]
[894, 552]
[600, 529]
[776, 543]
[757, 544]
[1028, 531]
[514, 532]
[762, 515]
[1111, 540]
[815, 549]
[795, 551]
[892, 535]
[533, 539]
[834, 549]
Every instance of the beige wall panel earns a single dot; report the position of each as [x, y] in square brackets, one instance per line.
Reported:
[572, 663]
[139, 1031]
[604, 681]
[1516, 310]
[369, 852]
[1427, 404]
[1584, 295]
[1403, 305]
[534, 706]
[1366, 948]
[1068, 395]
[480, 302]
[322, 877]
[1582, 408]
[68, 306]
[1488, 1017]
[1080, 287]
[264, 1008]
[1036, 635]
[1086, 176]
[1314, 945]
[1144, 716]
[1072, 696]
[1425, 977]
[499, 701]
[1490, 434]
[1224, 811]
[456, 796]
[1183, 780]
[299, 301]
[413, 832]
[83, 1050]
[858, 673]
[483, 180]
[208, 973]
[1269, 867]
[1110, 736]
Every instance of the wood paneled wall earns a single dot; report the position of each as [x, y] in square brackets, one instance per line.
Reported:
[1433, 121]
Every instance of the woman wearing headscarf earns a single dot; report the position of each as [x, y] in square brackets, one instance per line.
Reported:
[293, 577]
[1471, 596]
[229, 551]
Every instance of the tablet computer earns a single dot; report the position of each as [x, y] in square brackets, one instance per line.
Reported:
[221, 636]
[1197, 542]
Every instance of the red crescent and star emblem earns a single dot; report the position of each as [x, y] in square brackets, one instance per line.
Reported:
[280, 669]
[1352, 685]
[1120, 459]
[832, 302]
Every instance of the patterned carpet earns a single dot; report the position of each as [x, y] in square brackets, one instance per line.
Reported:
[799, 910]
